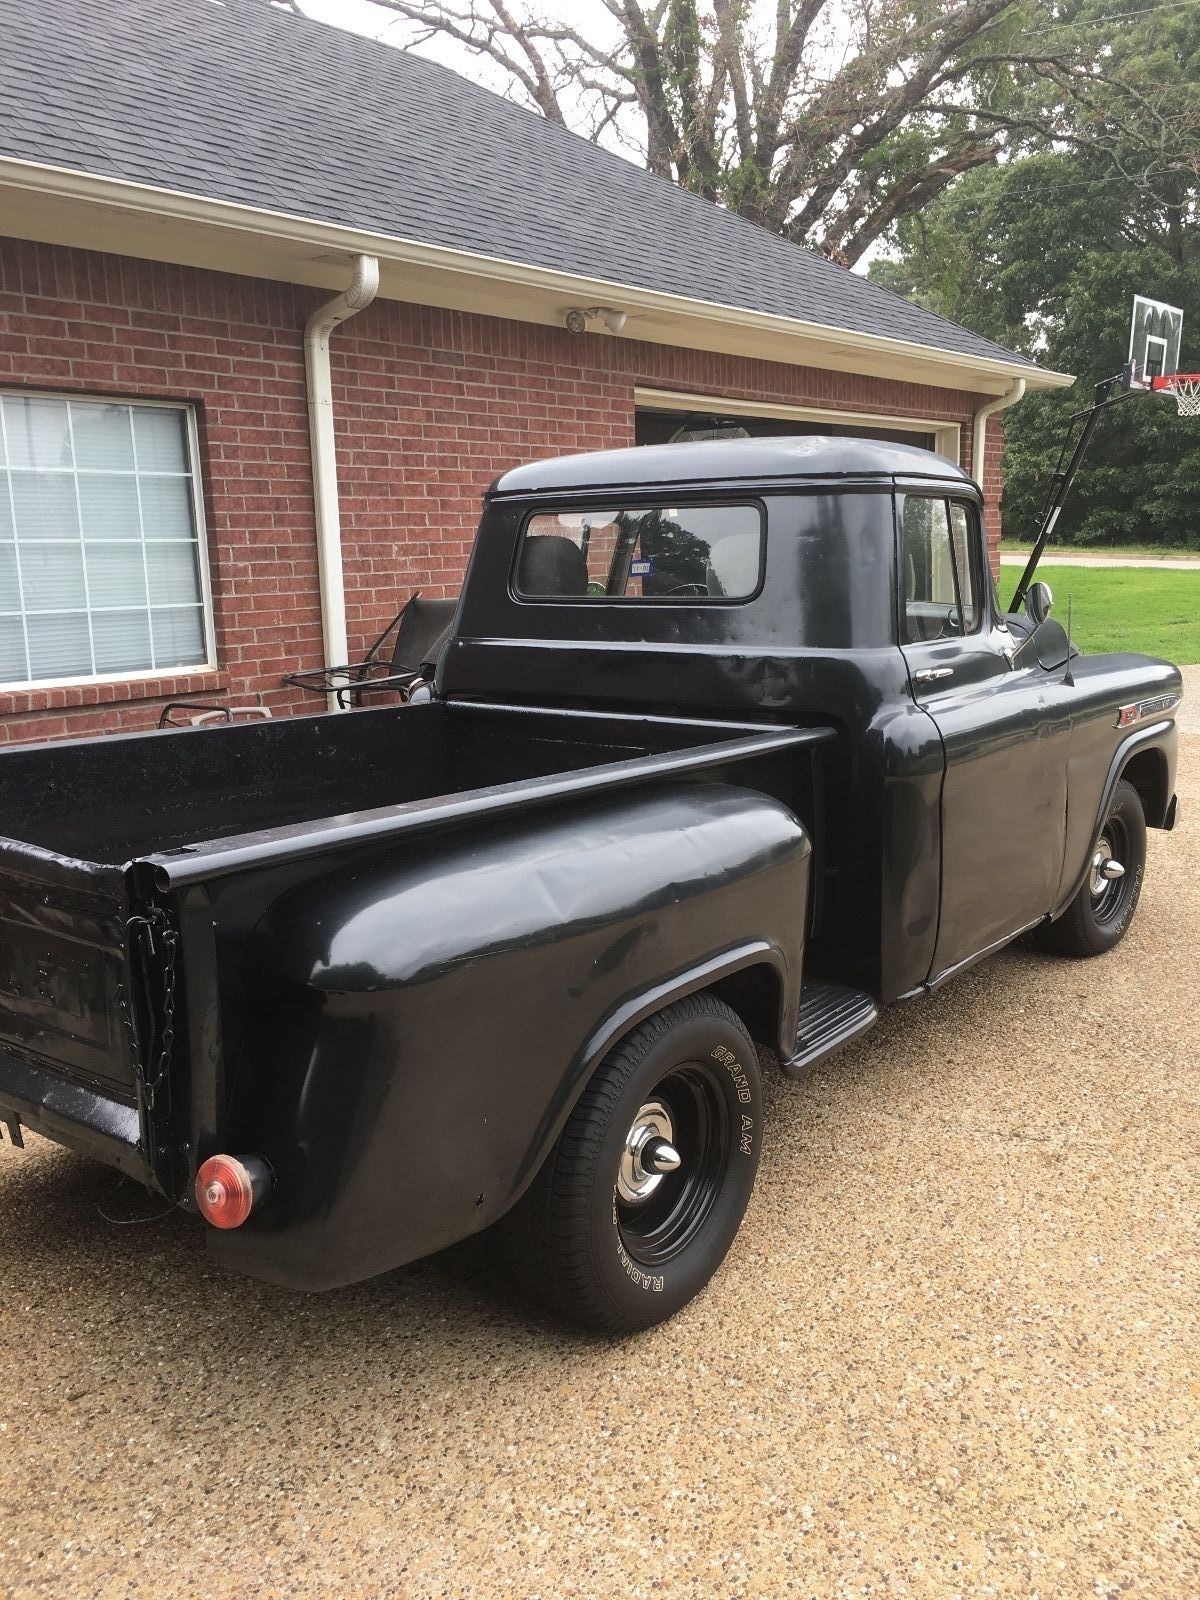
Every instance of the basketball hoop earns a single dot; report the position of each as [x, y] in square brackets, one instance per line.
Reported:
[1155, 336]
[1183, 388]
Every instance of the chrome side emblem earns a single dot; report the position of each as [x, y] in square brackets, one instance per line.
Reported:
[1142, 710]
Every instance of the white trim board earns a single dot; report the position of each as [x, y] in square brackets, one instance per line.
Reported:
[947, 435]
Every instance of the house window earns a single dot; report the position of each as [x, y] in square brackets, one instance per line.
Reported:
[102, 564]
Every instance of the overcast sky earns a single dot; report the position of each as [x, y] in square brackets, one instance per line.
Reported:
[377, 22]
[361, 16]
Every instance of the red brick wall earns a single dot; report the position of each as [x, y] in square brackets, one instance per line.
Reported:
[430, 406]
[993, 482]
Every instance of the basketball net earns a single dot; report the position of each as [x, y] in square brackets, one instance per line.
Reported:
[1183, 388]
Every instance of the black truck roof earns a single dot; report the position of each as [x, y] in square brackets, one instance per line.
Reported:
[712, 460]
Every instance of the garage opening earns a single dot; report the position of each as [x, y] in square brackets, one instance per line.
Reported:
[674, 419]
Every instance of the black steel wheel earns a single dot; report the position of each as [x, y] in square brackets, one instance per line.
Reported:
[1100, 914]
[642, 1195]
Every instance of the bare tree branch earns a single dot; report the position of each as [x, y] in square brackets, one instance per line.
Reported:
[829, 124]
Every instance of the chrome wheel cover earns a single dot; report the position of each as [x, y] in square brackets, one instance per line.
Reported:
[644, 1160]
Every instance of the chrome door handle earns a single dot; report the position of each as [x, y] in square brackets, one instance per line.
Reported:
[933, 674]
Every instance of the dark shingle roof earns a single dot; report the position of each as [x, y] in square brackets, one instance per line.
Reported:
[245, 101]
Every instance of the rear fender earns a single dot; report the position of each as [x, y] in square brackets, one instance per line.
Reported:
[720, 973]
[426, 1022]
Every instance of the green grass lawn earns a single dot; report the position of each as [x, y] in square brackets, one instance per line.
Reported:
[1125, 608]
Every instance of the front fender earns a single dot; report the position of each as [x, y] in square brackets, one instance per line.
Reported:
[428, 1021]
[1159, 738]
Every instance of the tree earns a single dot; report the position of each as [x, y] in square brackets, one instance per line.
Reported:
[1045, 253]
[827, 122]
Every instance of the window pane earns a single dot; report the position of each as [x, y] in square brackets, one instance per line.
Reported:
[37, 431]
[108, 503]
[52, 577]
[174, 574]
[122, 641]
[678, 553]
[95, 494]
[45, 505]
[931, 604]
[103, 436]
[161, 439]
[167, 508]
[59, 646]
[968, 575]
[116, 575]
[178, 637]
[13, 666]
[10, 589]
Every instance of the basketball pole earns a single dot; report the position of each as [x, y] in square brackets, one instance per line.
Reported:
[1064, 476]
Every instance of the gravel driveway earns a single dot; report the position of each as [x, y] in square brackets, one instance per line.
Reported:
[954, 1352]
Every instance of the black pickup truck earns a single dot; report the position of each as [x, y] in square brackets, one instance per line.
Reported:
[732, 743]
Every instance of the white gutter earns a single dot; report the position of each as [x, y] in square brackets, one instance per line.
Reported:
[363, 289]
[320, 239]
[979, 433]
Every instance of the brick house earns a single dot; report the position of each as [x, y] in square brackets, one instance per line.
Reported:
[276, 304]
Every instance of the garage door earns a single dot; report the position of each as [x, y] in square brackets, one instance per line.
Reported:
[665, 419]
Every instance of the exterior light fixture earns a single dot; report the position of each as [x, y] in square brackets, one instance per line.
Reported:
[577, 318]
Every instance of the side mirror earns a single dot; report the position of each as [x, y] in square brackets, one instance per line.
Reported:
[1039, 602]
[1047, 645]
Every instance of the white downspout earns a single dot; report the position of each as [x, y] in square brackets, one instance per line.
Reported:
[979, 436]
[363, 288]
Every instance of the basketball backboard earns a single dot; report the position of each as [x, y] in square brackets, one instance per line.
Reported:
[1154, 339]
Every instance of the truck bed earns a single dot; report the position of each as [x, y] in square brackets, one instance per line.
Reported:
[198, 802]
[101, 841]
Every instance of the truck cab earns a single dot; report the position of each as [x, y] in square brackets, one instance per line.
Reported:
[843, 583]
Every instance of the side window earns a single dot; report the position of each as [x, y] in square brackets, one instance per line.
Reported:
[969, 589]
[940, 574]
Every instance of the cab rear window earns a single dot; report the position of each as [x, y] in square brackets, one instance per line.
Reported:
[685, 553]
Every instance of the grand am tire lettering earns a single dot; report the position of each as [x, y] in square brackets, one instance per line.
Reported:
[740, 1080]
[742, 1084]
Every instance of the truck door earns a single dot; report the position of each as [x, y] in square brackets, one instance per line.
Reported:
[1003, 808]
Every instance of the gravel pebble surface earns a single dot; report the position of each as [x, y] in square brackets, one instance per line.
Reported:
[953, 1352]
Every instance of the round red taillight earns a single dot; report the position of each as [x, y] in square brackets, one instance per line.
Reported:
[227, 1189]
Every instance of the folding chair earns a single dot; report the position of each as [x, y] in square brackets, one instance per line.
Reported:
[417, 634]
[195, 713]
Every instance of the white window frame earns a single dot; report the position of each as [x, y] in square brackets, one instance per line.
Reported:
[947, 436]
[144, 674]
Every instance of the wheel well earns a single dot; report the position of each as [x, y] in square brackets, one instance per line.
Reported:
[756, 994]
[1147, 772]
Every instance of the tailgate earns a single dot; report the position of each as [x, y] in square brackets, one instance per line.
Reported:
[66, 1046]
[62, 979]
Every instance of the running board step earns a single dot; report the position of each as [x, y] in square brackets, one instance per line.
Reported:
[831, 1015]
